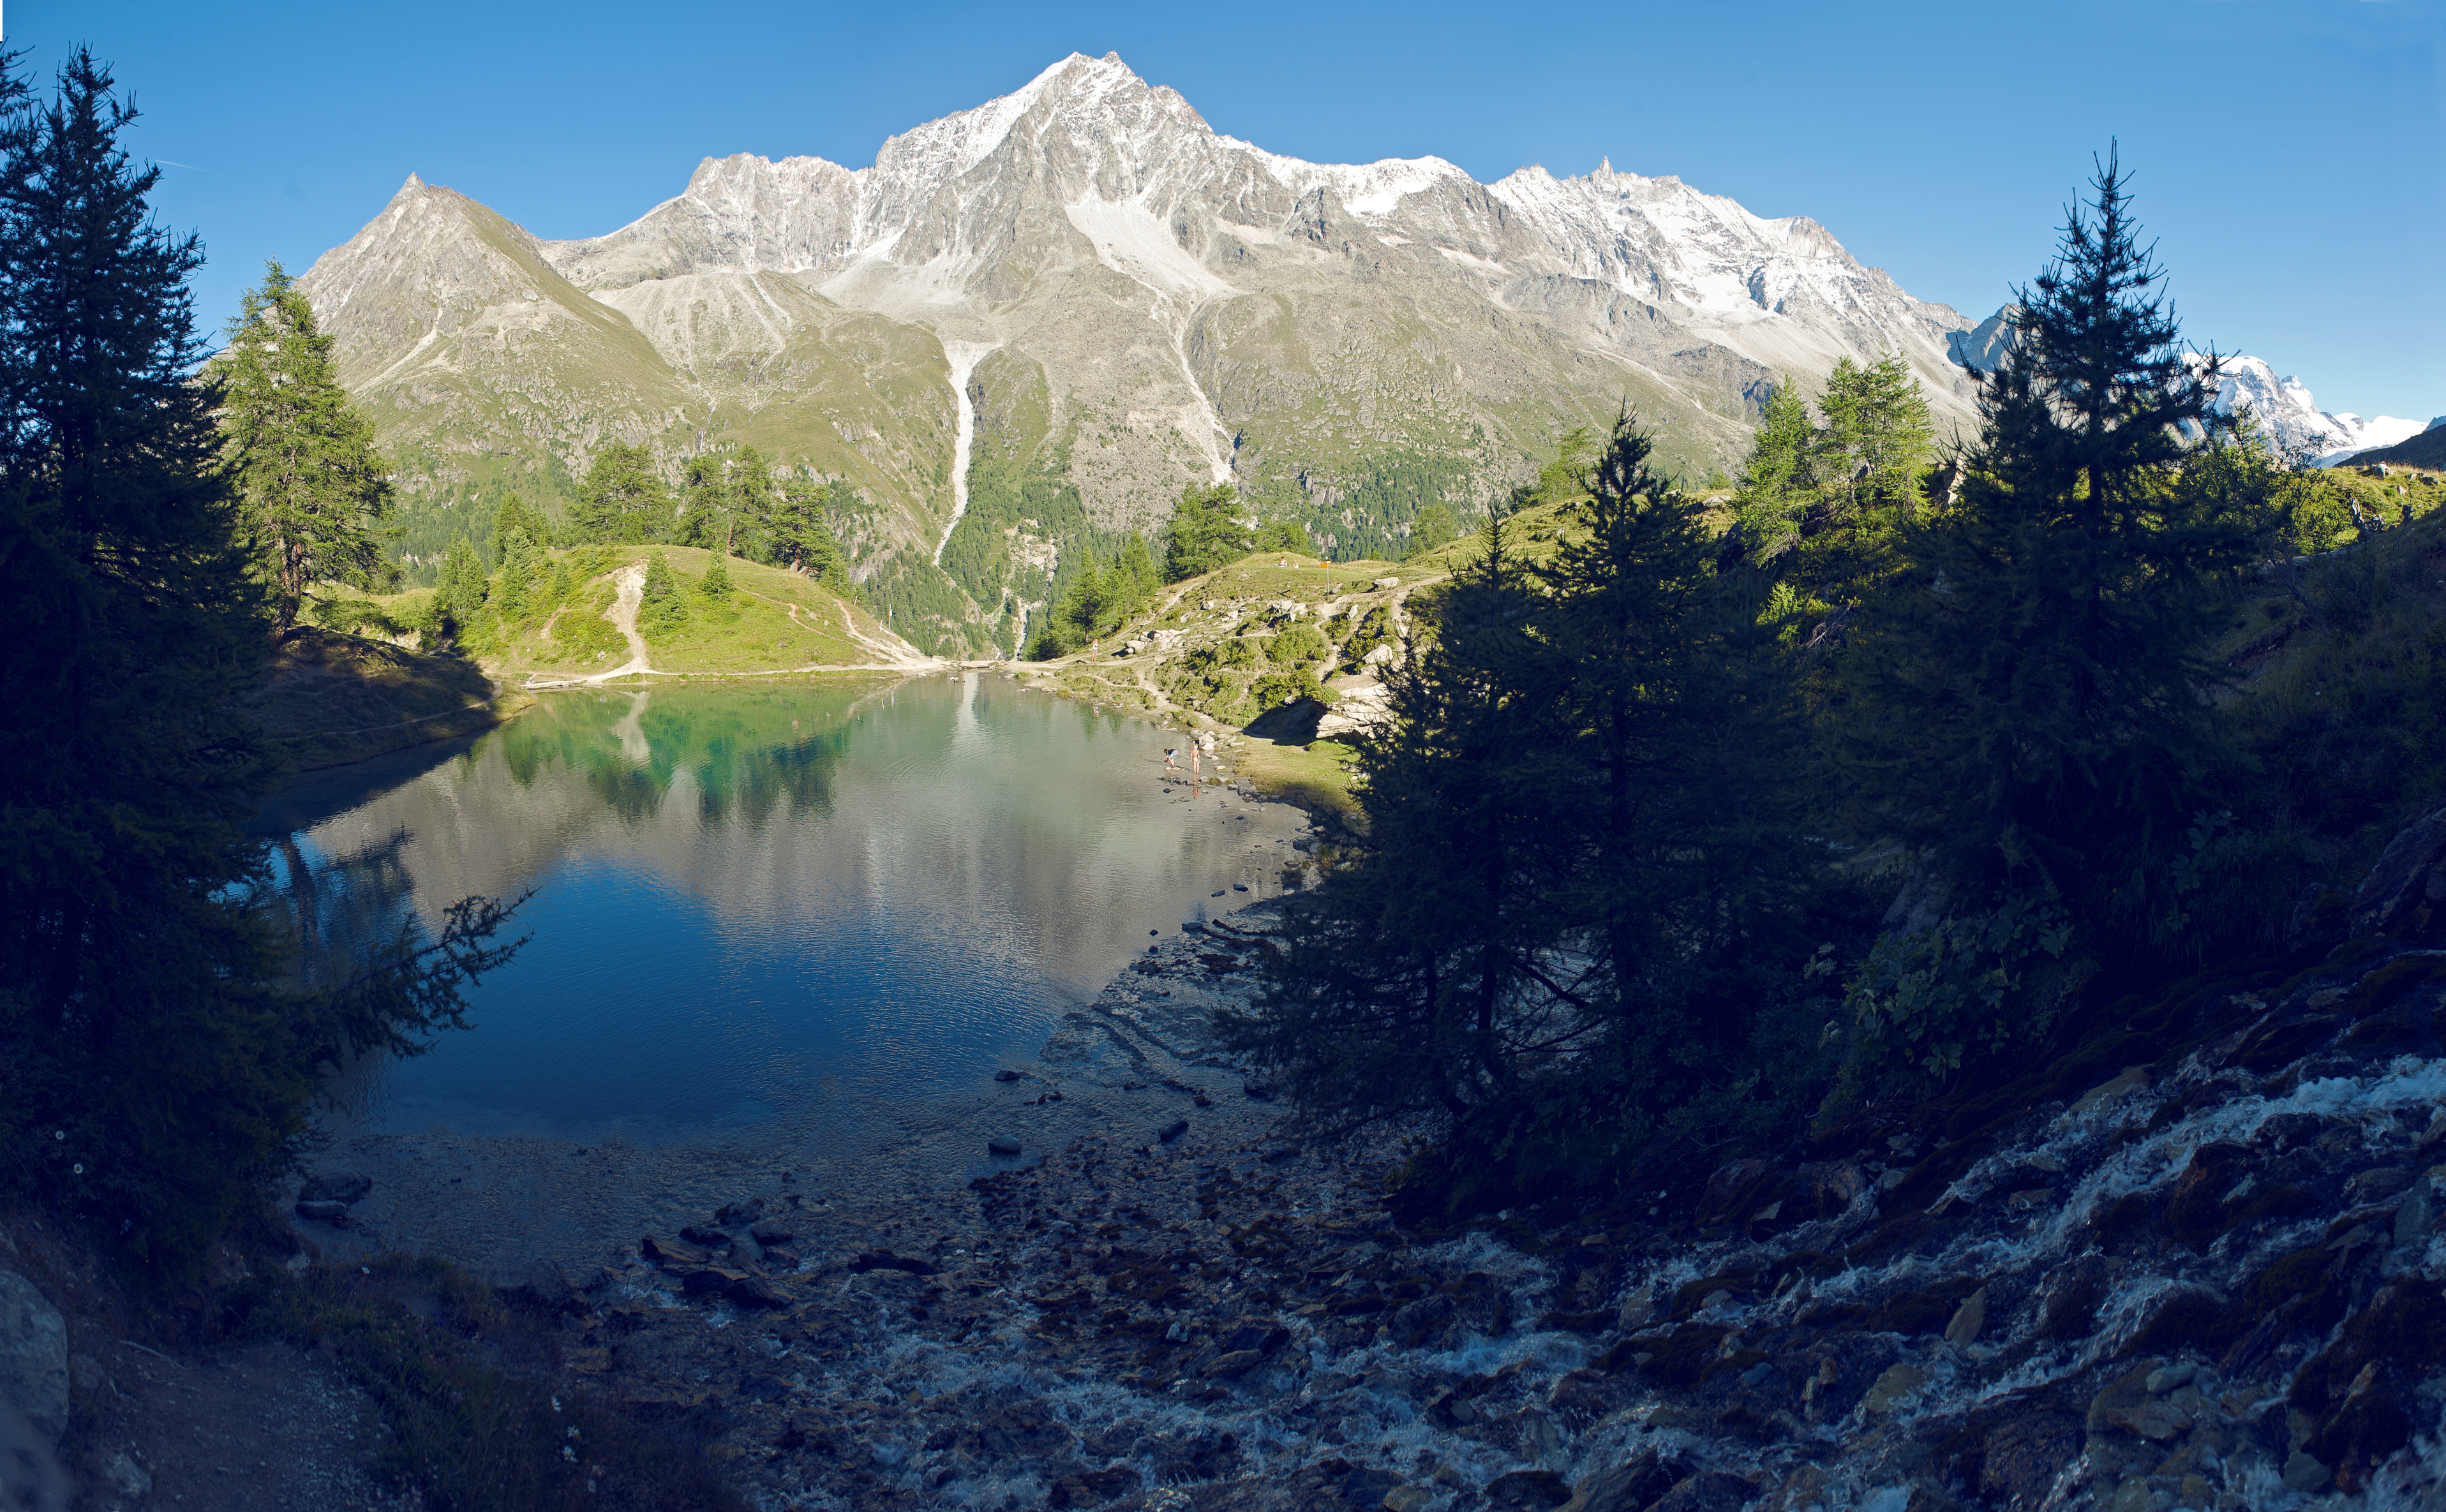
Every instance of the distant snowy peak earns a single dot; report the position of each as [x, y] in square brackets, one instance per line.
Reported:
[2291, 420]
[1130, 166]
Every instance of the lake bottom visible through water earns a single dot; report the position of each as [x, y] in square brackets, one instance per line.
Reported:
[809, 918]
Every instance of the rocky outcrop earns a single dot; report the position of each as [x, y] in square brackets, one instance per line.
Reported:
[33, 1356]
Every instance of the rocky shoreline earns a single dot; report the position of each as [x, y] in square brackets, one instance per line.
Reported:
[2194, 1264]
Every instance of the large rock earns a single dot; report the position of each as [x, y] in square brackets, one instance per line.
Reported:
[30, 1479]
[1627, 1488]
[2403, 892]
[33, 1356]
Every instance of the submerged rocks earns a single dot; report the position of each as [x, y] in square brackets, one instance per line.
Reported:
[346, 1187]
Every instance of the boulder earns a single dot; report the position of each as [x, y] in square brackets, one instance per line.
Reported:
[32, 1480]
[672, 1252]
[1732, 1186]
[712, 1281]
[883, 1259]
[2402, 893]
[1172, 1130]
[756, 1291]
[1527, 1490]
[33, 1356]
[2026, 1453]
[336, 1214]
[773, 1231]
[739, 1214]
[1707, 1491]
[998, 1145]
[1629, 1487]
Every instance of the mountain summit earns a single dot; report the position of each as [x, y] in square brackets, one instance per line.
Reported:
[1030, 325]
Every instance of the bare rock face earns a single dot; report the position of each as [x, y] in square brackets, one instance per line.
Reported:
[33, 1356]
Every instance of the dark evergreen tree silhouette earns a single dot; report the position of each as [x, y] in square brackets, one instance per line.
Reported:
[2027, 706]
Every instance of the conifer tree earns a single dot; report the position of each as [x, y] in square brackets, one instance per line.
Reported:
[311, 483]
[796, 534]
[750, 500]
[2027, 703]
[460, 591]
[716, 583]
[1877, 438]
[1137, 567]
[515, 514]
[1207, 531]
[515, 594]
[623, 498]
[701, 502]
[1580, 843]
[661, 610]
[1436, 527]
[1777, 487]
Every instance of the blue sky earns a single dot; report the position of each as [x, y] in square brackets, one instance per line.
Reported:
[2291, 154]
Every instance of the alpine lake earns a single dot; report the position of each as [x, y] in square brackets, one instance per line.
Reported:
[792, 916]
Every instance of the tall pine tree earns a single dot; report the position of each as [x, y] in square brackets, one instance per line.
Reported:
[1208, 530]
[2027, 704]
[1779, 484]
[311, 487]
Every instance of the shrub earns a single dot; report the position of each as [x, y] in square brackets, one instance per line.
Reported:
[1276, 690]
[1297, 644]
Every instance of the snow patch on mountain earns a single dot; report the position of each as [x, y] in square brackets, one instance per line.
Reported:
[1130, 240]
[2294, 423]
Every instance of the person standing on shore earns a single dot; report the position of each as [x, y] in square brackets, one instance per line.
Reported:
[1194, 781]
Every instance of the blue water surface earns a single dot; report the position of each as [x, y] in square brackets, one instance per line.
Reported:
[817, 901]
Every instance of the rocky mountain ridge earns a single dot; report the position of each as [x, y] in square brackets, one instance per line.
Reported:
[1105, 300]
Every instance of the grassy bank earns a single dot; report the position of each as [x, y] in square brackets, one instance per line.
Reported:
[331, 699]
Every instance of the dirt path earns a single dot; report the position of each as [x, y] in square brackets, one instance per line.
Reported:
[630, 582]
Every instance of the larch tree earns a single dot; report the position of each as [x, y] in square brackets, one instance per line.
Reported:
[311, 484]
[1208, 530]
[623, 500]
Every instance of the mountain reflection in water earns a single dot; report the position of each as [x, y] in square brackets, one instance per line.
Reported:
[811, 901]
